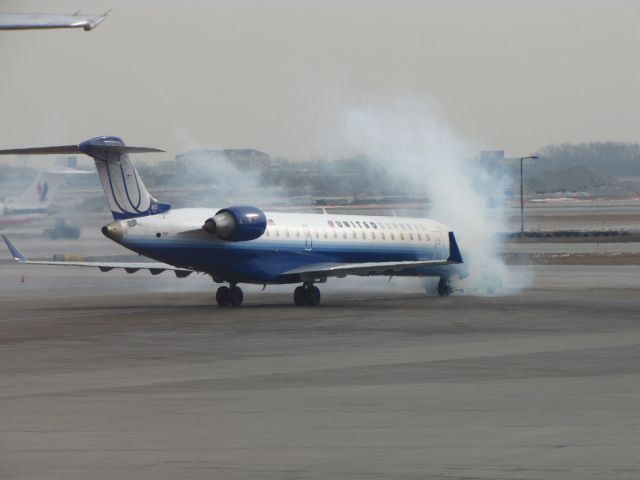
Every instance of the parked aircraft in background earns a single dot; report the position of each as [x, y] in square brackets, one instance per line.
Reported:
[29, 21]
[243, 244]
[35, 201]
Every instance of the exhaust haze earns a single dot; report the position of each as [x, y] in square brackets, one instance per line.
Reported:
[410, 138]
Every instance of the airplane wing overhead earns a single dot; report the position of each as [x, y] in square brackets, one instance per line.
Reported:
[28, 21]
[130, 267]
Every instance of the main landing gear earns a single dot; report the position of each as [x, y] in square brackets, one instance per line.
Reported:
[444, 287]
[229, 296]
[307, 294]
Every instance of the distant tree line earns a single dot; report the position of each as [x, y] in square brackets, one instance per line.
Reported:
[611, 158]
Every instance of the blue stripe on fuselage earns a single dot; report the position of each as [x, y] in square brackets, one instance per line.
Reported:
[258, 261]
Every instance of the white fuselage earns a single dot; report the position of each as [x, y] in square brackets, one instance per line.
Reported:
[291, 239]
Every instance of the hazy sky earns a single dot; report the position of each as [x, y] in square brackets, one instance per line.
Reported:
[275, 75]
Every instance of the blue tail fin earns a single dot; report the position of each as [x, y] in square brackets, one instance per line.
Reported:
[126, 194]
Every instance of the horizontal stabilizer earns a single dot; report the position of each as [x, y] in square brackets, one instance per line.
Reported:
[60, 150]
[73, 149]
[130, 267]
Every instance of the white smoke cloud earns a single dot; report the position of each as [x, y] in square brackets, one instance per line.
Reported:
[230, 184]
[412, 140]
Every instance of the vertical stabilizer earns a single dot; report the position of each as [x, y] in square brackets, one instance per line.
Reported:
[41, 191]
[126, 193]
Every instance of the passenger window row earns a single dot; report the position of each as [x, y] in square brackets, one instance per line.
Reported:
[389, 234]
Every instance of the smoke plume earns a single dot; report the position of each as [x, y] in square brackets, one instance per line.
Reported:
[411, 139]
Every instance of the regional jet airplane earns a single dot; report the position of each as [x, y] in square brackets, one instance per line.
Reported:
[243, 244]
[30, 21]
[34, 202]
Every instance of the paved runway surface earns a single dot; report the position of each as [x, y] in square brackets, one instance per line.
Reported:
[385, 383]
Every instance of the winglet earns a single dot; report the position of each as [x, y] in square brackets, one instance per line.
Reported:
[454, 251]
[17, 254]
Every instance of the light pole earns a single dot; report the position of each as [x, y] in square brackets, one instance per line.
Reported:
[522, 159]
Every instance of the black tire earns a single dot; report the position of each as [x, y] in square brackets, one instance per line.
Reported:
[313, 296]
[444, 289]
[300, 296]
[236, 296]
[223, 296]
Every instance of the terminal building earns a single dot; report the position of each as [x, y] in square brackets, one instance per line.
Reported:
[242, 158]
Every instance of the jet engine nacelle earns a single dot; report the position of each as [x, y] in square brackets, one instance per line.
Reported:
[237, 224]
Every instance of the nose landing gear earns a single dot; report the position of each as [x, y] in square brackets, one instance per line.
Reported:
[229, 296]
[306, 294]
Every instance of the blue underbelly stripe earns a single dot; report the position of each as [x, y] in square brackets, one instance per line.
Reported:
[267, 261]
[318, 248]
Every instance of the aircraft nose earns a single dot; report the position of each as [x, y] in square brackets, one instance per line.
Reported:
[114, 231]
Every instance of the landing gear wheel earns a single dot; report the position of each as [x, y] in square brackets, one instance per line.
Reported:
[306, 294]
[300, 296]
[444, 288]
[313, 296]
[235, 296]
[223, 296]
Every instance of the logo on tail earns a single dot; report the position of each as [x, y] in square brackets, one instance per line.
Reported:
[126, 194]
[43, 190]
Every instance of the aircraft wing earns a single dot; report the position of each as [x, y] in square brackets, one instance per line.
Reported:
[130, 267]
[375, 268]
[363, 269]
[28, 21]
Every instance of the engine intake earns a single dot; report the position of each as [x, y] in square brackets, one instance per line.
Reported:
[237, 224]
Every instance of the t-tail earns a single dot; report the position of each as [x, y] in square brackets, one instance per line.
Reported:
[126, 193]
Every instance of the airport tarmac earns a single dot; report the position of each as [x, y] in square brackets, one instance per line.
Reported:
[132, 376]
